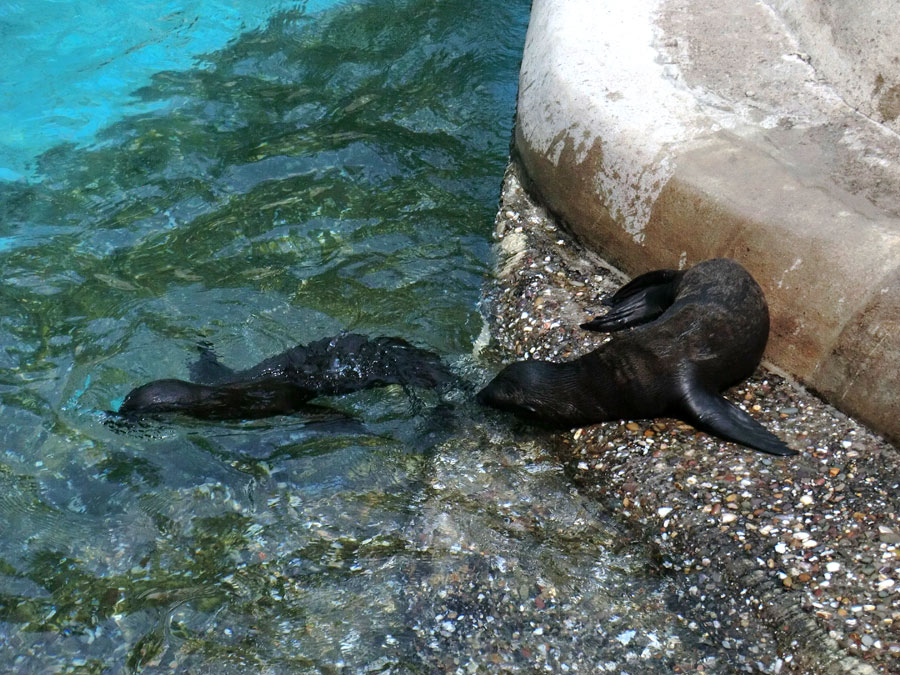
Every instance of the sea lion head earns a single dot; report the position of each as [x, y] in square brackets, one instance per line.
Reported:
[163, 396]
[538, 391]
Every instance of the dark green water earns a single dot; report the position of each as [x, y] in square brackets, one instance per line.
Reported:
[312, 177]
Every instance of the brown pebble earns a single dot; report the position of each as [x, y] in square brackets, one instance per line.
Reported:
[834, 471]
[633, 426]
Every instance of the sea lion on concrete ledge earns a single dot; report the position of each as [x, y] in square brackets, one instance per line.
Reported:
[283, 384]
[694, 334]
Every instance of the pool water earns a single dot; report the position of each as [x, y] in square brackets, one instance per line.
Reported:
[254, 175]
[69, 68]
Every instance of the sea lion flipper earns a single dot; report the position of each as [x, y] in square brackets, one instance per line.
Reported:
[207, 369]
[641, 300]
[642, 282]
[711, 413]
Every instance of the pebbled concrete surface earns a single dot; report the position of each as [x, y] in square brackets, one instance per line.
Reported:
[664, 132]
[802, 552]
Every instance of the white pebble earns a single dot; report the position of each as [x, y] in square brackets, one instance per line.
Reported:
[833, 566]
[663, 511]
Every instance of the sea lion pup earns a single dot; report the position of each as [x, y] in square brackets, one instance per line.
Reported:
[694, 333]
[283, 384]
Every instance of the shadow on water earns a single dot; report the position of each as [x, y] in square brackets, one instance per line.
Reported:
[313, 176]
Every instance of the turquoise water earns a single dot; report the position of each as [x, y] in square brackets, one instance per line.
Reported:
[69, 68]
[252, 175]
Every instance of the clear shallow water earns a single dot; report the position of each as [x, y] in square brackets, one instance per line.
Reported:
[310, 175]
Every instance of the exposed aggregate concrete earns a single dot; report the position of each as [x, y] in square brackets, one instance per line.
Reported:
[807, 547]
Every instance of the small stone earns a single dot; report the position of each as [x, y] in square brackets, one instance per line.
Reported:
[728, 517]
[663, 511]
[887, 535]
[885, 584]
[833, 566]
[806, 500]
[633, 426]
[834, 471]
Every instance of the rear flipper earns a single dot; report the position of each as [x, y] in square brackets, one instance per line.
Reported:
[639, 301]
[711, 413]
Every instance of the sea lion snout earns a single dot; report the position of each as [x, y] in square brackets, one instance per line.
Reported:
[502, 394]
[519, 388]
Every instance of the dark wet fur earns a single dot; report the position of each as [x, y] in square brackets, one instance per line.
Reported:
[284, 384]
[693, 334]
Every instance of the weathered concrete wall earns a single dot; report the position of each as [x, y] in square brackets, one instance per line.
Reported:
[855, 46]
[669, 131]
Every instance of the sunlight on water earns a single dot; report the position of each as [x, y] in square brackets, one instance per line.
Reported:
[256, 178]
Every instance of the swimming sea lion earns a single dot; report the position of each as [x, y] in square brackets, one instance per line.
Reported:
[283, 384]
[694, 334]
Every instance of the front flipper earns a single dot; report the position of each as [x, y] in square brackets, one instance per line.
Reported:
[207, 369]
[711, 413]
[639, 301]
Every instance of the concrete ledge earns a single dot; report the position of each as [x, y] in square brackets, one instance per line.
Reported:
[667, 132]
